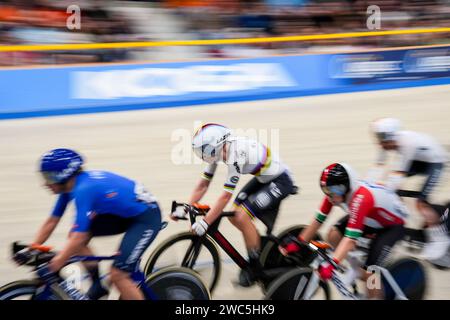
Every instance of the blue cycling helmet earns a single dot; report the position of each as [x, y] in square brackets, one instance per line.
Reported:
[59, 165]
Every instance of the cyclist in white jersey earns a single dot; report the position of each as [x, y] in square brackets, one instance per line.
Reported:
[260, 197]
[419, 154]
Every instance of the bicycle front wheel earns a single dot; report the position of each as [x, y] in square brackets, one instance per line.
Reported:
[190, 251]
[295, 284]
[29, 290]
[177, 283]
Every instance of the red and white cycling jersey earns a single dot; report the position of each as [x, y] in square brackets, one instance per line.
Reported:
[369, 205]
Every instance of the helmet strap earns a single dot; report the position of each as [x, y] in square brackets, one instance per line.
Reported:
[69, 184]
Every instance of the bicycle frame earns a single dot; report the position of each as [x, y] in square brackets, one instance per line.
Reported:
[337, 280]
[226, 246]
[137, 276]
[214, 233]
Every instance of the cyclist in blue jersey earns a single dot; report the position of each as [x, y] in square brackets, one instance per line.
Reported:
[106, 204]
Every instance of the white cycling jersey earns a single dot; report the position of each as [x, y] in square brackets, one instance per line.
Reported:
[415, 146]
[247, 156]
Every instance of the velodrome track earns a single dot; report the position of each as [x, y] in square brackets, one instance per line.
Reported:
[313, 131]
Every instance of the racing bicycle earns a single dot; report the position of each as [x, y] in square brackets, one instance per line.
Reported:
[174, 283]
[201, 254]
[403, 279]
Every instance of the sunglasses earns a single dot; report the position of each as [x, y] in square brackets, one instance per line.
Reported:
[384, 136]
[49, 177]
[338, 190]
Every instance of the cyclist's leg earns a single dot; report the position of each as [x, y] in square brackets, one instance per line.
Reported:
[242, 220]
[434, 172]
[136, 240]
[102, 225]
[244, 223]
[262, 200]
[337, 231]
[96, 291]
[379, 251]
[250, 188]
[436, 232]
[86, 250]
[263, 203]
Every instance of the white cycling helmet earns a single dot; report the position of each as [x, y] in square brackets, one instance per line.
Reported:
[208, 141]
[385, 129]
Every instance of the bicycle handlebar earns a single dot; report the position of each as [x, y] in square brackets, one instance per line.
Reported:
[42, 254]
[320, 252]
[195, 211]
[37, 254]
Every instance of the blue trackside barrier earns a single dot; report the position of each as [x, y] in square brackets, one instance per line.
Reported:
[61, 90]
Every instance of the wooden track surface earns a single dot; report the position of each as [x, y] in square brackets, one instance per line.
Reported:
[313, 132]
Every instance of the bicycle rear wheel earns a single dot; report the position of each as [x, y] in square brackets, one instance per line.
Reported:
[189, 251]
[177, 283]
[29, 290]
[410, 276]
[293, 285]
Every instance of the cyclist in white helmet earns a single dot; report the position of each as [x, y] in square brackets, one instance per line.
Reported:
[420, 154]
[260, 197]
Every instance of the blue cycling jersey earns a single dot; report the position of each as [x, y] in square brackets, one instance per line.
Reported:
[102, 192]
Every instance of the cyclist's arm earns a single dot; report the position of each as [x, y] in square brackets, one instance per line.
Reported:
[199, 191]
[46, 230]
[225, 197]
[202, 186]
[218, 207]
[325, 208]
[77, 240]
[79, 235]
[346, 245]
[396, 176]
[309, 232]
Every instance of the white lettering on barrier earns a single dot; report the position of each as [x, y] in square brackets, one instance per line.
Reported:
[147, 82]
[432, 64]
[368, 69]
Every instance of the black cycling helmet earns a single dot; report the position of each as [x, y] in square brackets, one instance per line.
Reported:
[335, 179]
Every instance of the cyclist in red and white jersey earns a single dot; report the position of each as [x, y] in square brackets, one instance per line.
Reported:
[373, 211]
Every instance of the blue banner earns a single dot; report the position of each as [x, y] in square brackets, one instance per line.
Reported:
[66, 90]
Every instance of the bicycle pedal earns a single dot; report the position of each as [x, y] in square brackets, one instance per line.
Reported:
[245, 279]
[96, 293]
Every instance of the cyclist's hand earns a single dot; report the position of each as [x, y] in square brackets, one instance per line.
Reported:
[23, 256]
[326, 270]
[179, 213]
[44, 273]
[290, 246]
[199, 228]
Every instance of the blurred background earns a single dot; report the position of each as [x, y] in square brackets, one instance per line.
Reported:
[44, 22]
